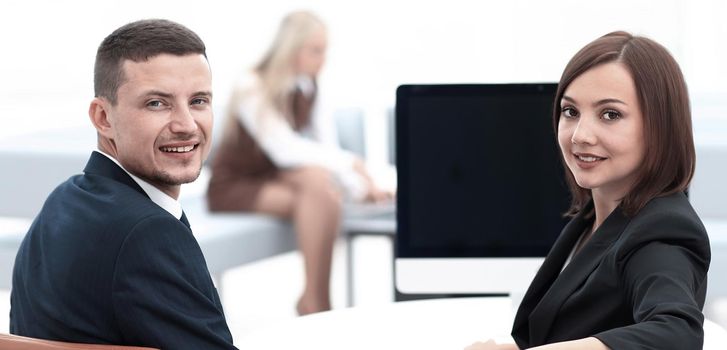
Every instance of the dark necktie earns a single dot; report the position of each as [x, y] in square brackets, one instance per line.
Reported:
[184, 220]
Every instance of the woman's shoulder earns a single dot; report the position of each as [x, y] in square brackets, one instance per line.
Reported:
[669, 219]
[669, 210]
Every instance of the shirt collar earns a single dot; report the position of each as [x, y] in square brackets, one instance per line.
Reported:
[159, 198]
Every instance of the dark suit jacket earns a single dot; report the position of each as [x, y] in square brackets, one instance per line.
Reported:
[103, 264]
[638, 283]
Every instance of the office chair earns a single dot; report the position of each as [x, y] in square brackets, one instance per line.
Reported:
[16, 342]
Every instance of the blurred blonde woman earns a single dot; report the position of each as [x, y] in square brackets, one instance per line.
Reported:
[279, 157]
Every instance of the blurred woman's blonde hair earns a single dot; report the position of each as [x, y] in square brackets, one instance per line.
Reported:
[276, 70]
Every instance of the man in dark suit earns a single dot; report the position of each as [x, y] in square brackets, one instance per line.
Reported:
[111, 258]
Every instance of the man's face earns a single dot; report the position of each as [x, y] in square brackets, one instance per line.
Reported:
[161, 125]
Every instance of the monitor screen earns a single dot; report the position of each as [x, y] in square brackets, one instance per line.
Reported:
[479, 172]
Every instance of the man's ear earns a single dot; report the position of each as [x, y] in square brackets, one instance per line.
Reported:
[98, 112]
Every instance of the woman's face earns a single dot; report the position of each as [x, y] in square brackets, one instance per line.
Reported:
[601, 130]
[312, 54]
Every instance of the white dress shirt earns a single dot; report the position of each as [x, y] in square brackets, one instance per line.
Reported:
[160, 198]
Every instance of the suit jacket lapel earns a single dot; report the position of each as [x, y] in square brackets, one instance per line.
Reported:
[548, 272]
[100, 165]
[580, 267]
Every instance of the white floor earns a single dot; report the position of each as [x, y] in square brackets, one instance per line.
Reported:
[261, 294]
[264, 293]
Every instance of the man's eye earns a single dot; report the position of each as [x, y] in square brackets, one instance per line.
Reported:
[199, 101]
[154, 104]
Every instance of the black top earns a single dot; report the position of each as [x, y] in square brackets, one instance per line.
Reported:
[638, 282]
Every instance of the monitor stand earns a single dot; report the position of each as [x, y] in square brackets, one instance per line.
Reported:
[426, 278]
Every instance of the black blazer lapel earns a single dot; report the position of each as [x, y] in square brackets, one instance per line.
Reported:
[100, 165]
[548, 272]
[579, 268]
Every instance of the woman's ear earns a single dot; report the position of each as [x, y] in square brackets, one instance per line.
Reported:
[98, 112]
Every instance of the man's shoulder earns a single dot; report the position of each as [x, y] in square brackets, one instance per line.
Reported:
[91, 206]
[110, 220]
[106, 193]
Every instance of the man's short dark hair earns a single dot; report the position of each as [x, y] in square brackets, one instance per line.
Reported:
[139, 41]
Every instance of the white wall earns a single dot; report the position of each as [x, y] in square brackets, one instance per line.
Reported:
[47, 47]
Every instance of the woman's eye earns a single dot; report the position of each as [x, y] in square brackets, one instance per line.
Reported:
[569, 112]
[611, 115]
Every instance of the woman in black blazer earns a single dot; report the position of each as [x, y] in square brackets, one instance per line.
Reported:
[630, 269]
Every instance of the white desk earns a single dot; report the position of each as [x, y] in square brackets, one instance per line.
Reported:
[421, 325]
[425, 324]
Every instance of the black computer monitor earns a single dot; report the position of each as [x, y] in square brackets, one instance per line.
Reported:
[481, 189]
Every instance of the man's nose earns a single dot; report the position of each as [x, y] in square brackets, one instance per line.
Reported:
[183, 121]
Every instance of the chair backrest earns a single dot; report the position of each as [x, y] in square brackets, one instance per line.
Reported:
[708, 191]
[350, 129]
[16, 342]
